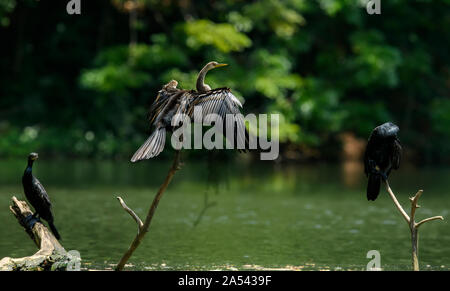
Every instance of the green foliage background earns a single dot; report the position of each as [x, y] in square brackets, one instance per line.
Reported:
[79, 85]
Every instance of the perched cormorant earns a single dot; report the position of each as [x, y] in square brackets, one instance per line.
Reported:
[172, 101]
[383, 153]
[37, 196]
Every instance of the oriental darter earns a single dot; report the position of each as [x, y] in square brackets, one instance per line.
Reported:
[172, 102]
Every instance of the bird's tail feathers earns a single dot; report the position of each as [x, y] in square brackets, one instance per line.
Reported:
[54, 230]
[373, 186]
[246, 139]
[241, 134]
[152, 147]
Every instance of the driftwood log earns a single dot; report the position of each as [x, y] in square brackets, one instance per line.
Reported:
[51, 254]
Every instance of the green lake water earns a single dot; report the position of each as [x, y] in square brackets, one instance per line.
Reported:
[228, 216]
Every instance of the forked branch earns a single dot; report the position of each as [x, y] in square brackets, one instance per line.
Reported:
[144, 226]
[413, 226]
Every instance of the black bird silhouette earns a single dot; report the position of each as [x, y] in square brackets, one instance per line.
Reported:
[383, 153]
[37, 196]
[171, 103]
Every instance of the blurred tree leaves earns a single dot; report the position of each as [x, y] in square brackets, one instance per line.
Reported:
[279, 16]
[325, 66]
[223, 36]
[6, 7]
[375, 63]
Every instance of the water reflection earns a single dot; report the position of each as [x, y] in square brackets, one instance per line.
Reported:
[351, 171]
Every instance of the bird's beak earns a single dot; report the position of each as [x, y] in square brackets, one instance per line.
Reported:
[220, 65]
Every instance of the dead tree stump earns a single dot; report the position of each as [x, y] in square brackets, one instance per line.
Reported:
[51, 255]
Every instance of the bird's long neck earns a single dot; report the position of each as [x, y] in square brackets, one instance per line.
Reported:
[201, 86]
[29, 169]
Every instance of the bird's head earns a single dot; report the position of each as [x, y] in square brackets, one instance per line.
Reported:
[171, 85]
[387, 130]
[33, 157]
[201, 86]
[213, 65]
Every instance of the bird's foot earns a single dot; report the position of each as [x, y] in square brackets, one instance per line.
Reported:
[383, 176]
[373, 168]
[376, 171]
[31, 220]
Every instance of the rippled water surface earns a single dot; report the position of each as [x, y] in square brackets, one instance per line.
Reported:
[233, 216]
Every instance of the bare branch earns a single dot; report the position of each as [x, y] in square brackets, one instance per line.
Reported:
[428, 219]
[413, 226]
[397, 204]
[132, 213]
[414, 206]
[144, 228]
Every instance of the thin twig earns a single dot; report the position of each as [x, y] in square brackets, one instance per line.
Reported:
[132, 213]
[397, 204]
[428, 219]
